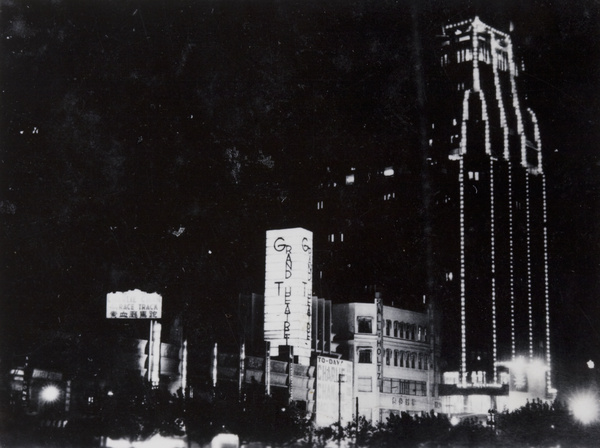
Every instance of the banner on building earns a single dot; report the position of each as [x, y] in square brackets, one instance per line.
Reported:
[333, 391]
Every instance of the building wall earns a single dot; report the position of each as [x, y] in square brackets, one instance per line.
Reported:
[393, 357]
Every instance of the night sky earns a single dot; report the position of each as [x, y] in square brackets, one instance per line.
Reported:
[150, 144]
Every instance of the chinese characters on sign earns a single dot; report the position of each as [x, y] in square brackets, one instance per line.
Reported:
[133, 305]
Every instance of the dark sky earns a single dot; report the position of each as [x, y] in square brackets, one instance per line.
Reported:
[149, 144]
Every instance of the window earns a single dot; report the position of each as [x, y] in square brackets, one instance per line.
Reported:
[412, 360]
[401, 355]
[365, 384]
[388, 172]
[396, 358]
[388, 357]
[349, 179]
[365, 324]
[420, 334]
[388, 327]
[420, 365]
[412, 332]
[320, 205]
[364, 355]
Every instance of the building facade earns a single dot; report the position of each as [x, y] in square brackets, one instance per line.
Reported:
[490, 233]
[394, 355]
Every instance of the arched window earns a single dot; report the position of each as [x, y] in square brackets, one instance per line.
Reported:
[396, 358]
[420, 364]
[396, 329]
[401, 359]
[420, 334]
[388, 327]
[413, 360]
[388, 356]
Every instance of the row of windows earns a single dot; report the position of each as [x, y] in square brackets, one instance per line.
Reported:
[406, 331]
[400, 358]
[484, 55]
[400, 329]
[404, 387]
[410, 360]
[394, 386]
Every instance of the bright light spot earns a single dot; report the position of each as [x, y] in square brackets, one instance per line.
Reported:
[50, 394]
[110, 393]
[585, 408]
[454, 421]
[389, 171]
[591, 364]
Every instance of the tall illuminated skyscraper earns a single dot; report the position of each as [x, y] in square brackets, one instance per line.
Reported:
[491, 224]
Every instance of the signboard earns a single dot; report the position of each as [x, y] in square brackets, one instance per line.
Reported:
[288, 291]
[379, 305]
[133, 305]
[329, 401]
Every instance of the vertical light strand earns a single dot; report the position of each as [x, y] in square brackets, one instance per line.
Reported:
[546, 290]
[529, 273]
[461, 184]
[493, 269]
[511, 264]
[499, 99]
[463, 315]
[474, 39]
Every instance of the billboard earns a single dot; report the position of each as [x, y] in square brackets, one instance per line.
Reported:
[288, 290]
[333, 391]
[134, 304]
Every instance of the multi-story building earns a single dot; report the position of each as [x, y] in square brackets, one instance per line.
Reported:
[491, 230]
[395, 357]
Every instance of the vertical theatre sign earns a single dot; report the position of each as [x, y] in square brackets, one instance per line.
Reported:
[288, 291]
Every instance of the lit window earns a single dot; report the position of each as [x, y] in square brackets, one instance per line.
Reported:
[476, 175]
[349, 179]
[320, 205]
[365, 384]
[388, 172]
[341, 237]
[365, 324]
[364, 355]
[331, 237]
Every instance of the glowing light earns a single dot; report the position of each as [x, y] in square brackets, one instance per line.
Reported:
[50, 393]
[454, 420]
[591, 364]
[584, 407]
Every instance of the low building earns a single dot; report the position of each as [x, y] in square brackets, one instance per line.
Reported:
[394, 354]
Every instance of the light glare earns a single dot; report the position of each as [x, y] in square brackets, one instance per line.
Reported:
[50, 394]
[585, 408]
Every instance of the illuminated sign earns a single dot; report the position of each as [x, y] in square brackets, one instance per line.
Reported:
[379, 305]
[333, 391]
[288, 290]
[133, 305]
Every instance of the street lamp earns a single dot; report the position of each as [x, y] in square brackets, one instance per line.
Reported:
[341, 379]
